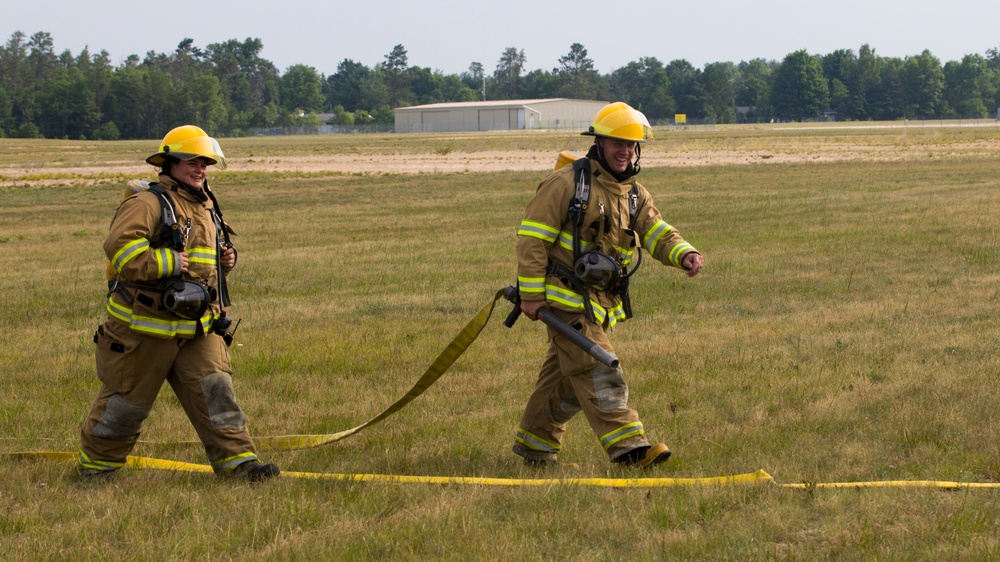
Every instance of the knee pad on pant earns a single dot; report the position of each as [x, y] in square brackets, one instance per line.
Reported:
[610, 388]
[121, 419]
[220, 398]
[566, 409]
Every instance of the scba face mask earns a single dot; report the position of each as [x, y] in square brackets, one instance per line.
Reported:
[600, 271]
[187, 299]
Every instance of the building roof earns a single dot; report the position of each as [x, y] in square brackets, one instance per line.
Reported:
[492, 104]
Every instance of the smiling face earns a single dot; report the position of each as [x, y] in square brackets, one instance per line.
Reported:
[191, 172]
[617, 153]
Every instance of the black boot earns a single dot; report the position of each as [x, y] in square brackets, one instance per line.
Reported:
[254, 471]
[645, 456]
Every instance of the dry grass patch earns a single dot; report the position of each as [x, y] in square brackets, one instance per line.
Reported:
[844, 329]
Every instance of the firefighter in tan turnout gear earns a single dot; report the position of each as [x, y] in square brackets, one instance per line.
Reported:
[576, 249]
[170, 252]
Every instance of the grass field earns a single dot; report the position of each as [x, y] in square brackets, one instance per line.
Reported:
[844, 330]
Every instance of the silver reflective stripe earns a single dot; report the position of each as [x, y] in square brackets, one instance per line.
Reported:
[535, 443]
[202, 255]
[679, 250]
[531, 284]
[654, 235]
[229, 463]
[165, 263]
[566, 242]
[537, 230]
[130, 251]
[97, 466]
[624, 432]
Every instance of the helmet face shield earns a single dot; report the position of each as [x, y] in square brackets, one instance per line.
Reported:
[197, 147]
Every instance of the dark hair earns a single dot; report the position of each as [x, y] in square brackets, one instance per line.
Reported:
[168, 162]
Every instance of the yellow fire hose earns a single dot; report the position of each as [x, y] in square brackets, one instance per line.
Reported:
[440, 365]
[443, 362]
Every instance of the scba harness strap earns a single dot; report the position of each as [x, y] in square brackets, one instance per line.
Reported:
[188, 299]
[610, 276]
[170, 230]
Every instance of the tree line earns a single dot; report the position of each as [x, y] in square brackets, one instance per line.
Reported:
[228, 88]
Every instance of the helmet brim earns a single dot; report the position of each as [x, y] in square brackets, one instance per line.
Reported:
[160, 157]
[648, 136]
[188, 149]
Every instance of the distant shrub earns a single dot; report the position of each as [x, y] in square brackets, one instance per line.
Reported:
[27, 131]
[108, 131]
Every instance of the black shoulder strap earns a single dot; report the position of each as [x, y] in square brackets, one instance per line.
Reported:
[217, 213]
[581, 199]
[170, 230]
[222, 233]
[633, 204]
[581, 196]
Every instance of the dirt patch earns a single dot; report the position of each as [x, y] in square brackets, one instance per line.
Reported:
[498, 161]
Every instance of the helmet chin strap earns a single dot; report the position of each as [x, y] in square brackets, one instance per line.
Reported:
[167, 169]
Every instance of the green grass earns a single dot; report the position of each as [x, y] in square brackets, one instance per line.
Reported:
[844, 329]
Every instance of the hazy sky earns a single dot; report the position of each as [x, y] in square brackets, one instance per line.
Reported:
[448, 35]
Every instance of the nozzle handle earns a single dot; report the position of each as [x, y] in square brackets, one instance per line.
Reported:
[514, 296]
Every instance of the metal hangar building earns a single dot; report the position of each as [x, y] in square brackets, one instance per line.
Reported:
[503, 115]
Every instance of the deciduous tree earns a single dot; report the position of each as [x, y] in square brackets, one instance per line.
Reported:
[799, 91]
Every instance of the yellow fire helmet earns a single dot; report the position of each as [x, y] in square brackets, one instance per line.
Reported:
[187, 142]
[618, 120]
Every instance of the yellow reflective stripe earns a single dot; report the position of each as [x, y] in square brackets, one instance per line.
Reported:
[624, 432]
[166, 263]
[129, 251]
[653, 236]
[202, 255]
[531, 284]
[574, 300]
[625, 255]
[229, 463]
[535, 443]
[563, 296]
[169, 328]
[158, 326]
[600, 314]
[617, 313]
[678, 251]
[538, 230]
[566, 242]
[119, 311]
[104, 466]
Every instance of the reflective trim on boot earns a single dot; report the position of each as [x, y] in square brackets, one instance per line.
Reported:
[535, 443]
[228, 464]
[90, 467]
[627, 431]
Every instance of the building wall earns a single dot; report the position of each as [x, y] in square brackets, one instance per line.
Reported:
[497, 116]
[567, 114]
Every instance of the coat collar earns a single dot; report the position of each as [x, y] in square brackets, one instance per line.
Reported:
[187, 192]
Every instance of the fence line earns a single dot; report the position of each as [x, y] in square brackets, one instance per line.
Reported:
[320, 130]
[699, 123]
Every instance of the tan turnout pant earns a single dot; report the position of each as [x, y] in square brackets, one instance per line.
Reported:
[571, 380]
[132, 368]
